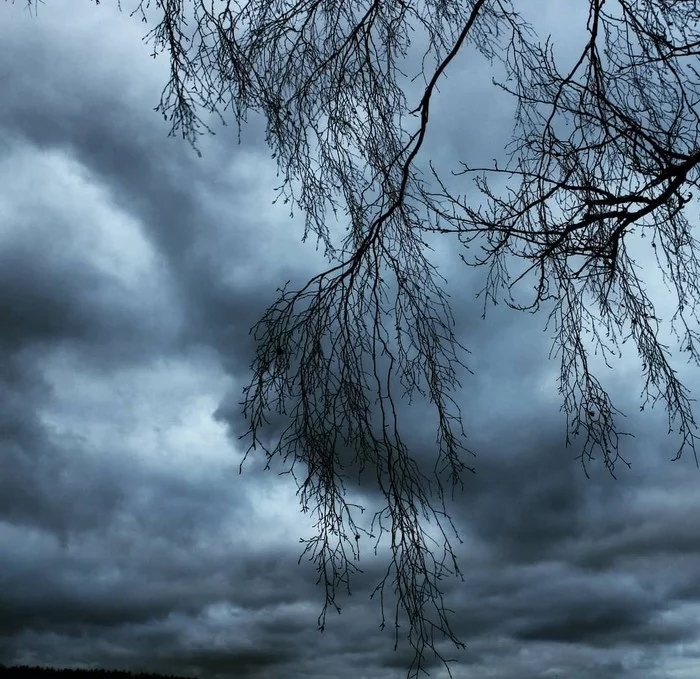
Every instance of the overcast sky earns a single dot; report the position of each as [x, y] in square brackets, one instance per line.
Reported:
[130, 272]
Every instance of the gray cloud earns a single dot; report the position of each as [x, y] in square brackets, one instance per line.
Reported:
[130, 272]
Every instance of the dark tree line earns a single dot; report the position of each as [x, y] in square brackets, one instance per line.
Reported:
[603, 150]
[40, 672]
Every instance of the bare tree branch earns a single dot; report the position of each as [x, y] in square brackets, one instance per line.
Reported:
[601, 152]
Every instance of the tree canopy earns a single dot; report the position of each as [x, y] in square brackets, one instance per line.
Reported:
[603, 149]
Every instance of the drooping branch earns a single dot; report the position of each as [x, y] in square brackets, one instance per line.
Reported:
[602, 152]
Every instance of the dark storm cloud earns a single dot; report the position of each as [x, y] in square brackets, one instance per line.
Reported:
[114, 555]
[583, 610]
[95, 541]
[528, 500]
[173, 220]
[40, 478]
[49, 299]
[162, 183]
[170, 550]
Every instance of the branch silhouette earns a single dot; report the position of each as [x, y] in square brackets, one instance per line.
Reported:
[602, 151]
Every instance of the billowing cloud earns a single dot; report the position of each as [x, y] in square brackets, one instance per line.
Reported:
[130, 272]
